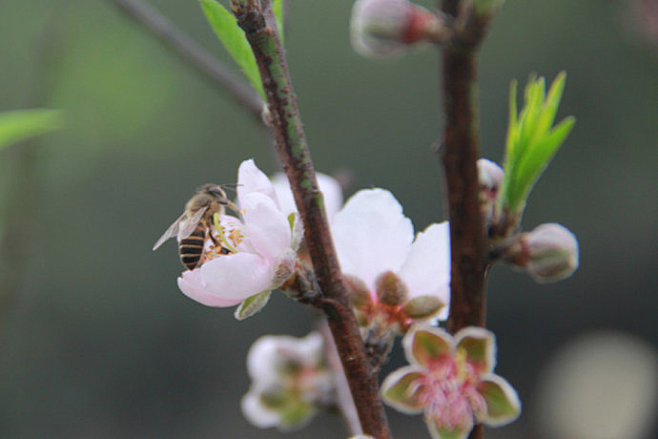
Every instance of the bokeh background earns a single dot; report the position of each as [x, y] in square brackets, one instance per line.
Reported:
[99, 342]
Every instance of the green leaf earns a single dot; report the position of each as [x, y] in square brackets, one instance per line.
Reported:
[232, 36]
[251, 305]
[532, 141]
[277, 9]
[21, 124]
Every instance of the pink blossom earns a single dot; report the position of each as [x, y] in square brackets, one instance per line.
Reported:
[376, 247]
[450, 380]
[262, 244]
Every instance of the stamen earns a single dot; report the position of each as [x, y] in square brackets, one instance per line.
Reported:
[220, 232]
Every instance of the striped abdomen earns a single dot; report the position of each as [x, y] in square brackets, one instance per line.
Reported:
[191, 248]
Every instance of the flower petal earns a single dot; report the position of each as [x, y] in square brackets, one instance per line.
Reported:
[424, 343]
[266, 226]
[333, 194]
[426, 272]
[192, 286]
[440, 432]
[251, 179]
[256, 412]
[231, 277]
[503, 404]
[261, 360]
[372, 235]
[480, 347]
[400, 389]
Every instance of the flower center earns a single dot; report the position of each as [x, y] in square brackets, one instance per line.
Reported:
[223, 239]
[449, 393]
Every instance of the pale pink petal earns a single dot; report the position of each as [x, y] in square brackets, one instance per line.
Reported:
[426, 272]
[266, 226]
[333, 195]
[261, 360]
[372, 235]
[331, 190]
[251, 179]
[191, 285]
[283, 192]
[236, 276]
[256, 413]
[273, 351]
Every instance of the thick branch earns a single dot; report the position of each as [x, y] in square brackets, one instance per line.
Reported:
[460, 154]
[256, 19]
[194, 55]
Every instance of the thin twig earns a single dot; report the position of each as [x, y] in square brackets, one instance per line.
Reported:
[194, 55]
[344, 400]
[256, 19]
[460, 153]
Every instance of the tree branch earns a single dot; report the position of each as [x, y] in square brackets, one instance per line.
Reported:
[194, 55]
[460, 153]
[256, 19]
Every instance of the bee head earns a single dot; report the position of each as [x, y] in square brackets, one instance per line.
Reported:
[215, 191]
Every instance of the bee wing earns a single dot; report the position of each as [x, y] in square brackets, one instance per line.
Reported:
[170, 232]
[187, 226]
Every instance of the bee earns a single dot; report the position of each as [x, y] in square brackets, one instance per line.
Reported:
[192, 228]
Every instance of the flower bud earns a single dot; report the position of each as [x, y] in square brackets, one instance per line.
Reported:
[357, 291]
[390, 289]
[490, 177]
[423, 307]
[548, 253]
[386, 27]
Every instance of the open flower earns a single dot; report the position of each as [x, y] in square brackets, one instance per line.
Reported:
[290, 380]
[262, 248]
[331, 191]
[392, 278]
[451, 381]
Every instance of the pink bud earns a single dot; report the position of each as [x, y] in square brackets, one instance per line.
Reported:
[490, 177]
[548, 253]
[386, 27]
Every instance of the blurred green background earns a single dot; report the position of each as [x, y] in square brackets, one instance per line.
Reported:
[100, 343]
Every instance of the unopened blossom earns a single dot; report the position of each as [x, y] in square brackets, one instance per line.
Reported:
[451, 380]
[393, 279]
[490, 179]
[548, 253]
[290, 381]
[386, 27]
[261, 246]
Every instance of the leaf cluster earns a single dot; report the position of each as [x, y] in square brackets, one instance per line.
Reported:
[532, 140]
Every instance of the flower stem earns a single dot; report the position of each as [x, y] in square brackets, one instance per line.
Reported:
[460, 151]
[256, 19]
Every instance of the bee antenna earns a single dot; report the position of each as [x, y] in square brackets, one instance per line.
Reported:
[230, 186]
